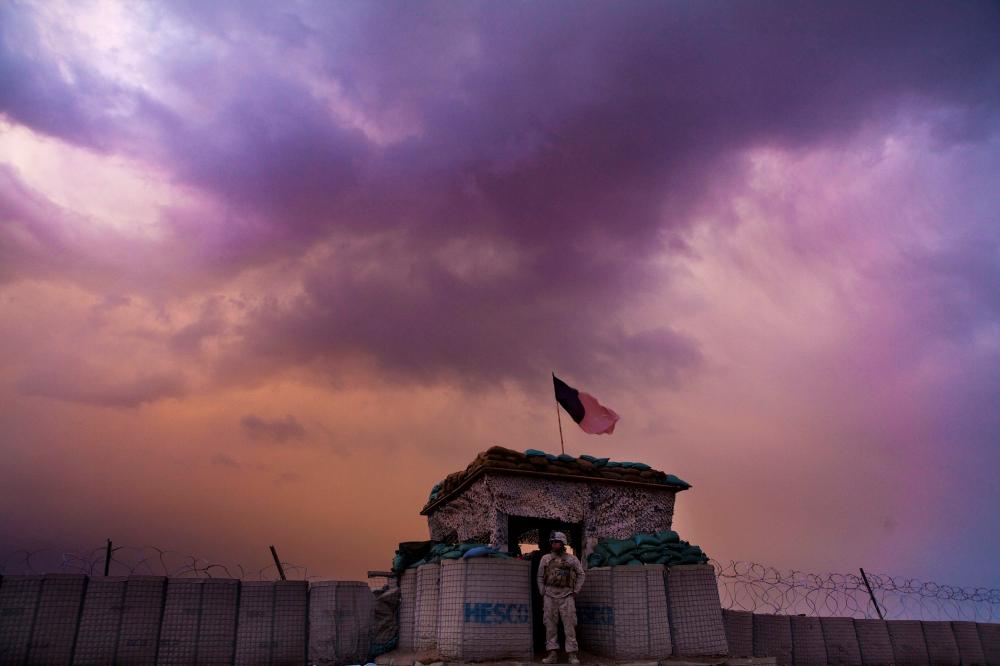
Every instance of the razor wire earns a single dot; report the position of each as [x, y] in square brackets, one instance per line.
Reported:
[138, 560]
[750, 586]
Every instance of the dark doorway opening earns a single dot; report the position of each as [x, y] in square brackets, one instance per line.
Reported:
[527, 530]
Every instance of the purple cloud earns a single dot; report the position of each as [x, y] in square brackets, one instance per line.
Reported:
[278, 431]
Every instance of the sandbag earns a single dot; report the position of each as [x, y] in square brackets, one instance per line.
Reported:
[485, 610]
[622, 613]
[341, 614]
[695, 611]
[425, 623]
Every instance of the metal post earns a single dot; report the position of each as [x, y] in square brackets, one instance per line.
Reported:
[562, 446]
[871, 594]
[107, 558]
[277, 562]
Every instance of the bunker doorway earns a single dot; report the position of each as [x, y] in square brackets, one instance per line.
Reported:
[524, 534]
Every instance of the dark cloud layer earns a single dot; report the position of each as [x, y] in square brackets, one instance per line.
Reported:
[526, 162]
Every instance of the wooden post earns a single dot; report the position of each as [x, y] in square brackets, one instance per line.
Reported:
[277, 562]
[871, 594]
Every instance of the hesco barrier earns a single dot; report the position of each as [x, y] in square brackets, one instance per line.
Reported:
[841, 641]
[908, 645]
[989, 638]
[967, 638]
[772, 637]
[140, 623]
[100, 622]
[340, 622]
[18, 601]
[941, 645]
[808, 647]
[55, 619]
[622, 613]
[408, 609]
[485, 610]
[874, 641]
[385, 620]
[739, 632]
[271, 628]
[696, 627]
[426, 621]
[199, 622]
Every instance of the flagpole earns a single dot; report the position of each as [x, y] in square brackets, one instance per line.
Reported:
[562, 446]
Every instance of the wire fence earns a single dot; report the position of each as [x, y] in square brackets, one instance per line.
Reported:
[742, 585]
[762, 589]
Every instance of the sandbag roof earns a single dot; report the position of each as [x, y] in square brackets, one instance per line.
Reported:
[539, 464]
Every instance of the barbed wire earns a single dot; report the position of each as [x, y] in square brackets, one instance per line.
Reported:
[138, 560]
[762, 589]
[749, 586]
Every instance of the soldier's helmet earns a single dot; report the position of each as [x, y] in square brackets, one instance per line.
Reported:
[558, 536]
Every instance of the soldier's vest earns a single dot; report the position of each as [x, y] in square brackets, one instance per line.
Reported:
[560, 573]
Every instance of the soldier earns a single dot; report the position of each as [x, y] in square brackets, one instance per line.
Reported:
[560, 578]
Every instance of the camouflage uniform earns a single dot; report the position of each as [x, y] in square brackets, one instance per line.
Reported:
[560, 578]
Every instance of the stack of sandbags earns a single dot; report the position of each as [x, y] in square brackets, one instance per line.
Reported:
[622, 613]
[485, 610]
[340, 622]
[664, 547]
[426, 621]
[696, 627]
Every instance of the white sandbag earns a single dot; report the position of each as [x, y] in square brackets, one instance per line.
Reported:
[622, 613]
[426, 621]
[485, 610]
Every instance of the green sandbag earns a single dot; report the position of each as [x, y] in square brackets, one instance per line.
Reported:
[635, 563]
[667, 536]
[662, 559]
[619, 547]
[594, 560]
[531, 453]
[641, 539]
[650, 557]
[620, 559]
[451, 555]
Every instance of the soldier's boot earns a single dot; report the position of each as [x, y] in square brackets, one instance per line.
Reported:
[553, 657]
[573, 659]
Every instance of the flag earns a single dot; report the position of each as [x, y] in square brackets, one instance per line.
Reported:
[590, 415]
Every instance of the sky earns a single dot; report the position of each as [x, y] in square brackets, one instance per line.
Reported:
[269, 271]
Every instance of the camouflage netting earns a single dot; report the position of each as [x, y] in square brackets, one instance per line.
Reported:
[532, 460]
